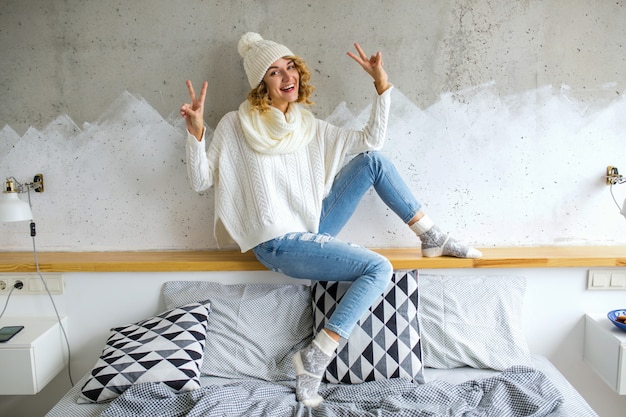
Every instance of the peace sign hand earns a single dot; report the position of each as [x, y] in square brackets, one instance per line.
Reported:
[193, 113]
[373, 66]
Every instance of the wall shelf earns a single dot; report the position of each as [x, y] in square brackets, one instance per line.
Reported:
[401, 258]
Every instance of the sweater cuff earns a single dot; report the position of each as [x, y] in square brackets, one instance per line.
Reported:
[192, 138]
[387, 91]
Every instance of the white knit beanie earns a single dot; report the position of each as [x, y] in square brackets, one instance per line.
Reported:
[258, 54]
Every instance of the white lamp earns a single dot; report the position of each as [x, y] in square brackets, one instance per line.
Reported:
[12, 209]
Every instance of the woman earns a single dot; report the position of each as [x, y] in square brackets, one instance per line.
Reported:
[282, 190]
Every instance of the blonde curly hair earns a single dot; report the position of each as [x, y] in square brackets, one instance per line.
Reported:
[259, 97]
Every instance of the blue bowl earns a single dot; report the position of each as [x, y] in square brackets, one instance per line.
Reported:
[612, 315]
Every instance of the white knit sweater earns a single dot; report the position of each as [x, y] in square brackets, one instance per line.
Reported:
[259, 197]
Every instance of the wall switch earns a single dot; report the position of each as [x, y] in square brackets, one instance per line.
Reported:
[32, 284]
[600, 280]
[618, 280]
[605, 279]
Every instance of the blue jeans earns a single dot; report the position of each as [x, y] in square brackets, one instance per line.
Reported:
[322, 257]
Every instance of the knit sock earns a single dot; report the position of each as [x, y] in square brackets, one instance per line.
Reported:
[436, 243]
[310, 364]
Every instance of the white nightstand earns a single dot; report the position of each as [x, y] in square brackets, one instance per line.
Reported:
[33, 357]
[605, 351]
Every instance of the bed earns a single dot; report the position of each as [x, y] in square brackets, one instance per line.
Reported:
[432, 345]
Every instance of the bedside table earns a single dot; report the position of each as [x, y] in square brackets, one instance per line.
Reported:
[33, 357]
[605, 350]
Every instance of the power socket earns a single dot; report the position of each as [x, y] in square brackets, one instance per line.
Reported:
[8, 283]
[31, 282]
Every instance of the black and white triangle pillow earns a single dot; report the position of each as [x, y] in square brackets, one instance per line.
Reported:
[167, 348]
[385, 342]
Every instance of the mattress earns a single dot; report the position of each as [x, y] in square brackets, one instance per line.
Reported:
[573, 405]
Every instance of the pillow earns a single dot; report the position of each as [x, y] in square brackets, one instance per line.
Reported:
[167, 348]
[385, 342]
[254, 329]
[474, 321]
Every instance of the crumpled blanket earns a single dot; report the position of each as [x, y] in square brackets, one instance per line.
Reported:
[516, 392]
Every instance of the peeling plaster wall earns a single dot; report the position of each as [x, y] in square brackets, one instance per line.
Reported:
[120, 183]
[505, 115]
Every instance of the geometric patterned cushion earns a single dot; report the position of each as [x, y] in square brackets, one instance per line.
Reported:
[385, 343]
[167, 348]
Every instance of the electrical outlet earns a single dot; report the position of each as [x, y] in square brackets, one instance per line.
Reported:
[606, 279]
[32, 284]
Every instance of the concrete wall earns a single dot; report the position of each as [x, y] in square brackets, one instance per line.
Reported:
[506, 114]
[505, 117]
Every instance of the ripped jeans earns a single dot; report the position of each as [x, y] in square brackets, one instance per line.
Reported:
[322, 257]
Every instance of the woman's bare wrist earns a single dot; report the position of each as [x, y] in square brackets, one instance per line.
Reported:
[381, 86]
[197, 133]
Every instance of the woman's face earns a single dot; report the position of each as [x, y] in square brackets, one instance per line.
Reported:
[282, 82]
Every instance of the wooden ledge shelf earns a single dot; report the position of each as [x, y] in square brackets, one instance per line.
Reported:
[168, 261]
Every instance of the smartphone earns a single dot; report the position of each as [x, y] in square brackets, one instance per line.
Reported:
[7, 332]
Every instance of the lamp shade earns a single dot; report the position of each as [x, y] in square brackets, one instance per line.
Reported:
[12, 209]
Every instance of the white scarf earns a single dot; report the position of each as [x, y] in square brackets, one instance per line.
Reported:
[276, 133]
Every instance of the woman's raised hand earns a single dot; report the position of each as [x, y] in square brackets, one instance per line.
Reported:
[373, 66]
[193, 112]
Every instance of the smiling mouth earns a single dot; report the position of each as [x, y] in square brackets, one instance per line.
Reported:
[289, 87]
